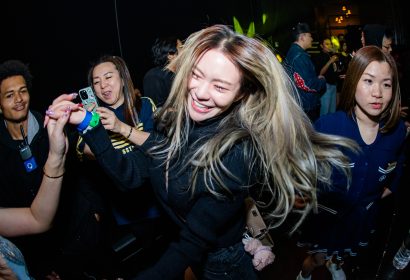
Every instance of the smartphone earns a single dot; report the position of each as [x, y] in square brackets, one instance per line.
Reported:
[88, 98]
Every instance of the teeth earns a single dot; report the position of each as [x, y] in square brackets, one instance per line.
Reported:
[199, 105]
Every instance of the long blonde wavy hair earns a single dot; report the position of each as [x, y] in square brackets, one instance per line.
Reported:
[291, 158]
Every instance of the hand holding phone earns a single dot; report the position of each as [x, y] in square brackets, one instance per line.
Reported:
[88, 99]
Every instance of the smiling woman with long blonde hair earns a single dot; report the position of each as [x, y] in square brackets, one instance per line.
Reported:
[230, 127]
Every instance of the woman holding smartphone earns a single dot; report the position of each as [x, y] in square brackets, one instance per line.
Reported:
[120, 108]
[121, 111]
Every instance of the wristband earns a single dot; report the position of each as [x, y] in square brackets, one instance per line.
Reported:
[95, 119]
[86, 121]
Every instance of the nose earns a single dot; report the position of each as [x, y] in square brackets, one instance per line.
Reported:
[376, 91]
[103, 83]
[18, 98]
[202, 92]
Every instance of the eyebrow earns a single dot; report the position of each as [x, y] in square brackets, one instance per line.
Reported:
[23, 87]
[373, 76]
[214, 80]
[368, 74]
[105, 74]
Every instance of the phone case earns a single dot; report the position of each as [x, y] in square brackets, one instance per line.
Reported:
[88, 98]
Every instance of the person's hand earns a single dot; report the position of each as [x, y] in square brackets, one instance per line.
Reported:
[61, 105]
[334, 58]
[5, 271]
[403, 111]
[407, 124]
[58, 139]
[110, 121]
[91, 106]
[53, 276]
[386, 192]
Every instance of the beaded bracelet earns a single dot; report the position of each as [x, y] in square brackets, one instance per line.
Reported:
[129, 134]
[52, 177]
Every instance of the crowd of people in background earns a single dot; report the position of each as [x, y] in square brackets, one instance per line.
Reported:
[156, 178]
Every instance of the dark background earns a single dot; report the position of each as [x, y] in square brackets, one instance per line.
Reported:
[60, 39]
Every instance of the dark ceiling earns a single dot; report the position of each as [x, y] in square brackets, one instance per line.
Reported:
[59, 39]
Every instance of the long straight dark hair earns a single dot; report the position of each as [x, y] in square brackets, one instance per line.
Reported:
[357, 66]
[131, 99]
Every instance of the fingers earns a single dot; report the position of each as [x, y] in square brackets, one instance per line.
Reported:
[106, 115]
[103, 110]
[403, 111]
[53, 111]
[58, 139]
[57, 110]
[5, 270]
[46, 119]
[91, 107]
[67, 97]
[62, 121]
[57, 124]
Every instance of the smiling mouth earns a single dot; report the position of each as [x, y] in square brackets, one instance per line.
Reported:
[20, 107]
[198, 107]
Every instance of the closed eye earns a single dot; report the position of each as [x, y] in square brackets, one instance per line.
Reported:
[195, 75]
[219, 88]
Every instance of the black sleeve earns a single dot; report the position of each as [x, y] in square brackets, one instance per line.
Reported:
[204, 224]
[208, 220]
[129, 170]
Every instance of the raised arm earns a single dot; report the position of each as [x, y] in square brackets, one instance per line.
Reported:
[39, 216]
[127, 171]
[325, 67]
[305, 76]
